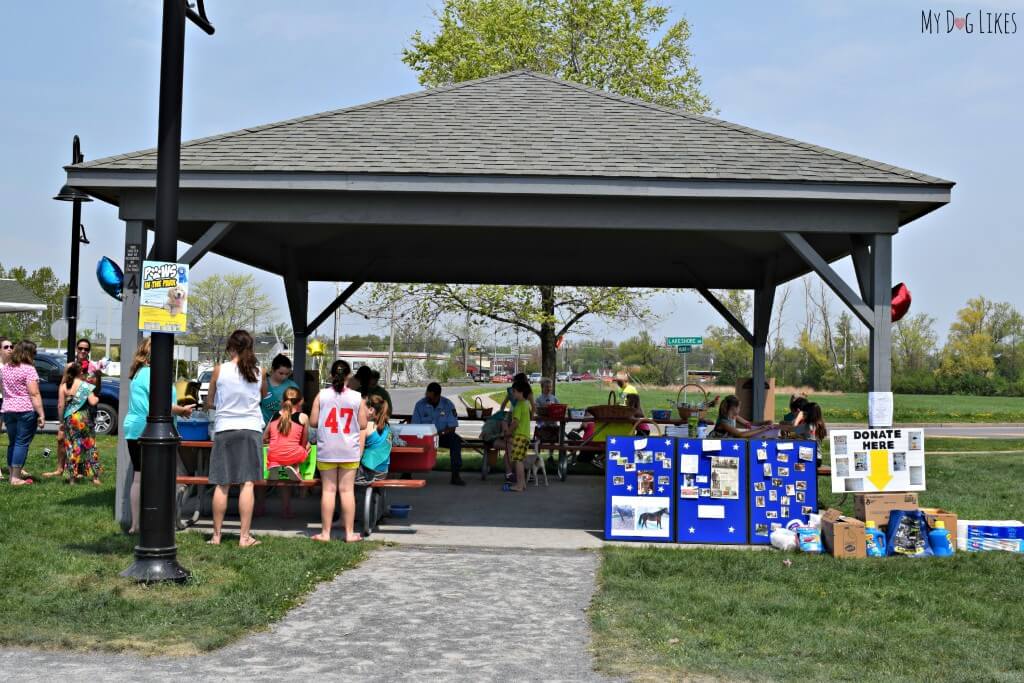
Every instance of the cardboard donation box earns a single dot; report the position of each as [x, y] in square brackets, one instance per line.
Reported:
[877, 506]
[417, 436]
[933, 515]
[745, 393]
[843, 536]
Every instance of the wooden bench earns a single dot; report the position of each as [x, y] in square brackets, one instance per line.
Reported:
[374, 503]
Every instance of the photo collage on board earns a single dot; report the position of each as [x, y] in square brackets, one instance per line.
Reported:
[639, 472]
[784, 488]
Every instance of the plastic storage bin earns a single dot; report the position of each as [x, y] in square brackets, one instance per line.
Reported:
[194, 429]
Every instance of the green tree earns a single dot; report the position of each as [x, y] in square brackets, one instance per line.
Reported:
[546, 311]
[648, 362]
[606, 44]
[981, 354]
[45, 284]
[914, 343]
[221, 304]
[732, 355]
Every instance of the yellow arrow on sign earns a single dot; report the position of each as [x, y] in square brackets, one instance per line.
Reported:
[879, 473]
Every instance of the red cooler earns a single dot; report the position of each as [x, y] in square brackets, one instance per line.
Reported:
[417, 436]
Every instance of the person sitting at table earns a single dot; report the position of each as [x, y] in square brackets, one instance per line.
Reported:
[437, 410]
[287, 439]
[811, 424]
[376, 389]
[729, 418]
[796, 404]
[633, 401]
[547, 430]
[279, 380]
[625, 389]
[377, 451]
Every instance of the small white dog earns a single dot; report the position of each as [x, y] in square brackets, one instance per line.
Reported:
[534, 464]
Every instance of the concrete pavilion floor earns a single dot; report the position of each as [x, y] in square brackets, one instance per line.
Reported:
[563, 515]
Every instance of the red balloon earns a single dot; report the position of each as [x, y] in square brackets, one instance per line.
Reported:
[900, 301]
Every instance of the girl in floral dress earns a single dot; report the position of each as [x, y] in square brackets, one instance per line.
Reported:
[76, 433]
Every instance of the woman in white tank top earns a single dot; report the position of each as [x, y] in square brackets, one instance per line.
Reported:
[236, 389]
[339, 415]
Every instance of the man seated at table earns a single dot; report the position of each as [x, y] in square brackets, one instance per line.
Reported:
[439, 411]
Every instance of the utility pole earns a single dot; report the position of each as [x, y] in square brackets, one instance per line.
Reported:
[391, 347]
[106, 351]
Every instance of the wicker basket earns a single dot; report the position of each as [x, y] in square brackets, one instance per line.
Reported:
[611, 411]
[478, 412]
[688, 410]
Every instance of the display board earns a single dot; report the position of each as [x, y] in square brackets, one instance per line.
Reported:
[639, 475]
[711, 491]
[783, 485]
[877, 460]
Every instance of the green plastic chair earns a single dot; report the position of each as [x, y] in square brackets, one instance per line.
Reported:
[307, 468]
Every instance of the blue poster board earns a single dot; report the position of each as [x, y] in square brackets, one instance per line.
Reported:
[638, 488]
[783, 485]
[711, 490]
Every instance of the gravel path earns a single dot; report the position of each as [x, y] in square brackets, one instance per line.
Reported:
[410, 613]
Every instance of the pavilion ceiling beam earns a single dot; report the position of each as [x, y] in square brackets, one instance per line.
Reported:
[861, 255]
[202, 246]
[719, 306]
[727, 314]
[819, 265]
[333, 306]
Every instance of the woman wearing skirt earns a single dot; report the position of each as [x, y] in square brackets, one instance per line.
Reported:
[236, 389]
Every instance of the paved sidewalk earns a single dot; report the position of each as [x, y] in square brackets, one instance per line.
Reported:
[408, 613]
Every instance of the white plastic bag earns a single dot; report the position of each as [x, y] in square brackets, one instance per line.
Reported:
[784, 539]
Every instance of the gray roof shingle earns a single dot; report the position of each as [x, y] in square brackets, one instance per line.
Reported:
[12, 292]
[525, 124]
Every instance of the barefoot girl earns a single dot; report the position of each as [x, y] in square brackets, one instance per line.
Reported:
[339, 415]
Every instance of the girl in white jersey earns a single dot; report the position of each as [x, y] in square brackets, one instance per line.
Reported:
[236, 389]
[339, 415]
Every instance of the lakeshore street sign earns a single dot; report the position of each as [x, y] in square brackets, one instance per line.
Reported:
[684, 341]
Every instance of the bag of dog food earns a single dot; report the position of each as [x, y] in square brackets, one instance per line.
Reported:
[908, 534]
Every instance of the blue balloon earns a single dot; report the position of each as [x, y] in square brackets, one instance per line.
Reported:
[110, 276]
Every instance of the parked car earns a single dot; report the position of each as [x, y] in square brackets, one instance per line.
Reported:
[204, 385]
[482, 376]
[51, 368]
[501, 379]
[534, 377]
[563, 376]
[582, 377]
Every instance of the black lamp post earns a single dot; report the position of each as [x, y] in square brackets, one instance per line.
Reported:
[76, 196]
[156, 556]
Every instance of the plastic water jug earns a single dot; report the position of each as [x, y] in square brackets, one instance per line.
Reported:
[938, 538]
[875, 539]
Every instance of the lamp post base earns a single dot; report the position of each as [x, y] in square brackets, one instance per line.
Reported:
[156, 565]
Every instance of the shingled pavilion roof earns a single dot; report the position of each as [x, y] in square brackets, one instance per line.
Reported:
[574, 173]
[525, 124]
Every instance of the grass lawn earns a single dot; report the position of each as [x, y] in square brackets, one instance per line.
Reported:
[838, 407]
[728, 614]
[61, 551]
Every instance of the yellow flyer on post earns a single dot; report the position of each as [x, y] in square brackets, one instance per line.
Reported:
[164, 297]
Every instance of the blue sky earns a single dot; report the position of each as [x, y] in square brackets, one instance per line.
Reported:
[855, 76]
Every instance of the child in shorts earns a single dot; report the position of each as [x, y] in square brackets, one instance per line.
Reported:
[519, 432]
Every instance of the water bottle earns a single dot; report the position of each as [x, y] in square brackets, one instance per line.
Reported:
[702, 430]
[875, 539]
[939, 540]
